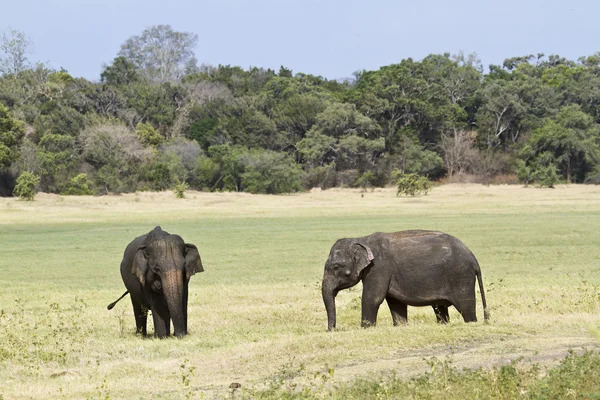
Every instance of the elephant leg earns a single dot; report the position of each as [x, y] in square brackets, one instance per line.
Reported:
[370, 307]
[398, 310]
[469, 314]
[161, 318]
[185, 306]
[467, 308]
[141, 317]
[441, 313]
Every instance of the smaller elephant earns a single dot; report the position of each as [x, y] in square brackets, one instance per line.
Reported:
[156, 270]
[416, 268]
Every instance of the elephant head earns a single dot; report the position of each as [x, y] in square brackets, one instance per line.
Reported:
[343, 269]
[164, 264]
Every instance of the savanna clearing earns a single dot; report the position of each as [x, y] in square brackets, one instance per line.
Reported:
[256, 312]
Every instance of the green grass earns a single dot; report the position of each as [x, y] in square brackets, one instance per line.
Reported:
[256, 313]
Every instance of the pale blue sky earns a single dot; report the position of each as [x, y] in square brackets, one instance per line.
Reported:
[328, 38]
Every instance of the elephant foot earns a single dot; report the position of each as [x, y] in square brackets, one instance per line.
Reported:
[367, 324]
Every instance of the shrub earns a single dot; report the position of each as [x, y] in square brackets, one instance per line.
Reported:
[411, 184]
[180, 189]
[546, 176]
[26, 183]
[78, 186]
[270, 172]
[320, 176]
[148, 134]
[538, 173]
[159, 176]
[206, 174]
[365, 180]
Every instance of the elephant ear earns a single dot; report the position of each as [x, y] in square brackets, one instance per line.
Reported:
[193, 263]
[363, 256]
[140, 265]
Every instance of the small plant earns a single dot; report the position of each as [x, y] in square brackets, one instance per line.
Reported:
[180, 189]
[25, 188]
[103, 392]
[187, 372]
[411, 184]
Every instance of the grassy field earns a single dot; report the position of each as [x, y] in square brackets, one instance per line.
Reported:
[256, 314]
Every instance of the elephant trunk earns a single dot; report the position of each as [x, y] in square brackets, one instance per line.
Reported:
[173, 289]
[328, 291]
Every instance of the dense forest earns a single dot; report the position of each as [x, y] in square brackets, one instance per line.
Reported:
[155, 118]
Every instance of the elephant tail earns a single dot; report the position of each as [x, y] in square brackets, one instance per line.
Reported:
[486, 314]
[111, 305]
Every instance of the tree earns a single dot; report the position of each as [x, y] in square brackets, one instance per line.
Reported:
[344, 136]
[116, 153]
[314, 148]
[102, 99]
[24, 91]
[298, 114]
[285, 72]
[341, 119]
[569, 143]
[498, 117]
[420, 96]
[244, 124]
[15, 45]
[456, 148]
[160, 53]
[121, 72]
[11, 134]
[411, 156]
[155, 104]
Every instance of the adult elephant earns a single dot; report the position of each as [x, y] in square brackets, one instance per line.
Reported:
[156, 270]
[416, 268]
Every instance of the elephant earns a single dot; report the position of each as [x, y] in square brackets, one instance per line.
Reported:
[156, 270]
[413, 267]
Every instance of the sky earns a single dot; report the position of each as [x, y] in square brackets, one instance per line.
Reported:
[333, 39]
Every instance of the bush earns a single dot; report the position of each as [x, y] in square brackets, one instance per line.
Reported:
[542, 175]
[78, 186]
[270, 172]
[345, 178]
[411, 184]
[365, 180]
[25, 188]
[180, 189]
[206, 174]
[148, 134]
[321, 176]
[159, 176]
[546, 176]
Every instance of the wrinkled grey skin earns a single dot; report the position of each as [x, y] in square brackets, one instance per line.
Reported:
[156, 270]
[416, 268]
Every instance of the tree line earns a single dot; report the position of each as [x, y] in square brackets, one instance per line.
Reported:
[156, 118]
